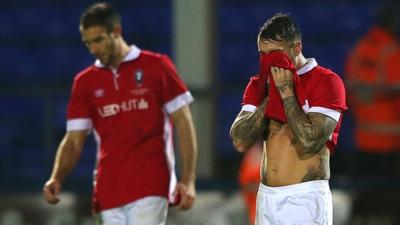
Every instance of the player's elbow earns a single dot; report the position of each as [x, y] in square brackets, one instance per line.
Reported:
[240, 144]
[239, 148]
[235, 141]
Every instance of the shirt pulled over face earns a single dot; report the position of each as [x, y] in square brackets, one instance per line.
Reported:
[274, 108]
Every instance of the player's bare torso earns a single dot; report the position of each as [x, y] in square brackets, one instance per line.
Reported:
[283, 162]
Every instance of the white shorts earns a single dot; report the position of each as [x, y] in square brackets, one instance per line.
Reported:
[145, 211]
[308, 203]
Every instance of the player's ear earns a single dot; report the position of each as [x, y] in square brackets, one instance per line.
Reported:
[298, 47]
[117, 31]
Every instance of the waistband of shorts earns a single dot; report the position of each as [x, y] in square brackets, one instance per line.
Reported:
[295, 188]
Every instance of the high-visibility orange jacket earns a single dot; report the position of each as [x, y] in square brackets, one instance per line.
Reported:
[372, 72]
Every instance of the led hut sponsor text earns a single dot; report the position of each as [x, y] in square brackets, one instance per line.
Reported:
[125, 106]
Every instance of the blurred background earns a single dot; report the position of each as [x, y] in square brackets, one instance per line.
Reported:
[213, 43]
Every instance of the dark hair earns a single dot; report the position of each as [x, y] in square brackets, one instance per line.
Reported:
[100, 14]
[280, 27]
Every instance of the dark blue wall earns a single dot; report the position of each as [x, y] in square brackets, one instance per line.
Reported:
[41, 51]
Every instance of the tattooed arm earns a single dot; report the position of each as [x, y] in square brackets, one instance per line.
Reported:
[311, 130]
[248, 128]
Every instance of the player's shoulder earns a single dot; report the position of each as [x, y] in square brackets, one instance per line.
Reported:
[150, 54]
[155, 59]
[153, 56]
[327, 77]
[323, 73]
[255, 78]
[86, 72]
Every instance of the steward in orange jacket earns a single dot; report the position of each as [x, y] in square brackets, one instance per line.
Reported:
[373, 77]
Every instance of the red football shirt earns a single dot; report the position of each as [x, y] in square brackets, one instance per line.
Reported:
[128, 110]
[274, 108]
[324, 93]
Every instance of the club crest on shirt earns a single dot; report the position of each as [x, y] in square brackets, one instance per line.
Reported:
[138, 76]
[99, 93]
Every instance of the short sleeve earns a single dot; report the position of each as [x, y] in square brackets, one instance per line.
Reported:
[250, 96]
[328, 97]
[78, 112]
[175, 94]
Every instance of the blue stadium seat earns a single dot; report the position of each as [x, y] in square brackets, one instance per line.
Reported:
[230, 102]
[239, 60]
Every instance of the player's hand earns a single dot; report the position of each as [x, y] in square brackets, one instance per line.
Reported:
[51, 190]
[187, 194]
[283, 79]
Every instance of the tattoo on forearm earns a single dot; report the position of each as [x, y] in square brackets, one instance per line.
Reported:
[285, 86]
[311, 133]
[248, 127]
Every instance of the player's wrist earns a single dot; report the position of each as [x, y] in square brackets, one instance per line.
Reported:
[56, 179]
[287, 93]
[188, 180]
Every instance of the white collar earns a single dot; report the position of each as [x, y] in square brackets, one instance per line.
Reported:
[133, 53]
[310, 64]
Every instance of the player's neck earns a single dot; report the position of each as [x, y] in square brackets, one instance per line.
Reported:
[122, 50]
[300, 61]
